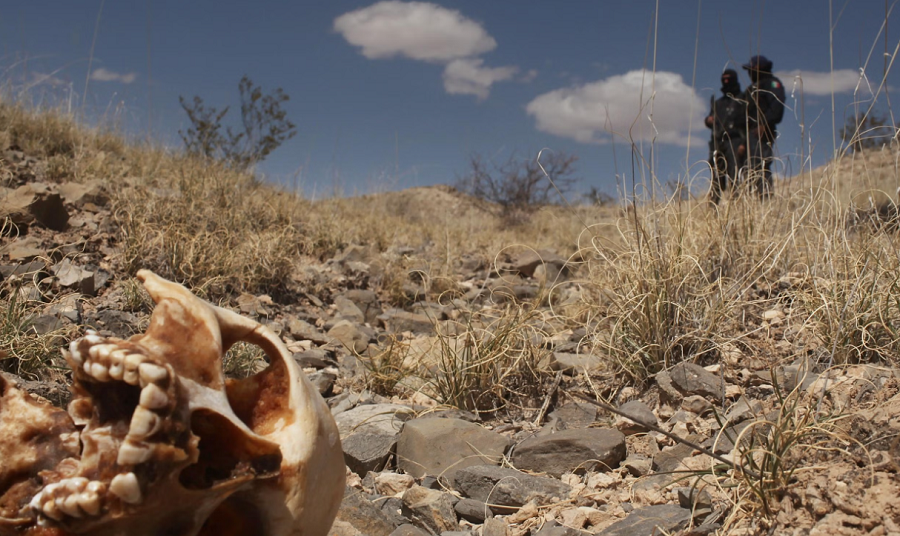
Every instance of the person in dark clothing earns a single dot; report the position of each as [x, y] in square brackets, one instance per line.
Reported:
[727, 149]
[765, 108]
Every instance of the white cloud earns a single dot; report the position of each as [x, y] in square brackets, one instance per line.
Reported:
[819, 83]
[105, 75]
[468, 77]
[417, 30]
[590, 112]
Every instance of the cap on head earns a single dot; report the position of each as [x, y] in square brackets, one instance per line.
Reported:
[758, 63]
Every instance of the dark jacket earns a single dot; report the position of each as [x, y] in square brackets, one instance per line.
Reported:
[729, 116]
[765, 105]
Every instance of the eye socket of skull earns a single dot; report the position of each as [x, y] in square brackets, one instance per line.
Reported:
[226, 452]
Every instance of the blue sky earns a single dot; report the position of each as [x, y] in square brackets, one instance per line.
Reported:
[388, 95]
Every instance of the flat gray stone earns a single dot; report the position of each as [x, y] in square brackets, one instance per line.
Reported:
[357, 515]
[367, 301]
[641, 414]
[692, 379]
[350, 335]
[25, 269]
[430, 508]
[397, 321]
[472, 511]
[386, 418]
[369, 434]
[348, 310]
[651, 521]
[575, 414]
[508, 487]
[571, 450]
[24, 249]
[441, 447]
[670, 458]
[71, 276]
[364, 452]
[742, 410]
[526, 262]
[304, 331]
[79, 194]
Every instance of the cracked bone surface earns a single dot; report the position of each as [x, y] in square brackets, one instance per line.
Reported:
[157, 441]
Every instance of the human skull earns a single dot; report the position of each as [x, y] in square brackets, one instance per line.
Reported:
[158, 441]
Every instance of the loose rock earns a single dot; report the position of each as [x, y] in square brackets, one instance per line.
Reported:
[441, 447]
[571, 451]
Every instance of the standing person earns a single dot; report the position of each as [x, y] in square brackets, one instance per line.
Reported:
[765, 108]
[727, 119]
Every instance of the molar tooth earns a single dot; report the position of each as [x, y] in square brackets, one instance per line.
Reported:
[144, 423]
[95, 486]
[152, 397]
[99, 372]
[69, 505]
[152, 373]
[116, 370]
[126, 487]
[50, 509]
[102, 351]
[132, 454]
[74, 484]
[89, 502]
[132, 362]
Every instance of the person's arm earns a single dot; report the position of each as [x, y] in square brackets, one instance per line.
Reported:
[774, 109]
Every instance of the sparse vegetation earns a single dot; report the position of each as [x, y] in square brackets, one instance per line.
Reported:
[264, 127]
[864, 131]
[521, 185]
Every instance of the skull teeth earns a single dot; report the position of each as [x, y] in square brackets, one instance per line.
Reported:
[153, 397]
[133, 453]
[126, 487]
[99, 372]
[144, 423]
[152, 373]
[89, 502]
[132, 362]
[72, 497]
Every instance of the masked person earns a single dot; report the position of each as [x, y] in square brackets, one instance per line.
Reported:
[727, 119]
[765, 108]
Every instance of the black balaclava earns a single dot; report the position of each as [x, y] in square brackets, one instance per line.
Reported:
[730, 83]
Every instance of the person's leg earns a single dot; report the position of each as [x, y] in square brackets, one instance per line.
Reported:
[756, 163]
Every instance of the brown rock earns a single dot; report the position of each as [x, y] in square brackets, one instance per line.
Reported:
[35, 203]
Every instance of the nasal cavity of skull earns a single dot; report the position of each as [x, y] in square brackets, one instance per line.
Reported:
[227, 453]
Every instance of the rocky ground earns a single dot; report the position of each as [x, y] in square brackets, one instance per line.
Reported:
[528, 456]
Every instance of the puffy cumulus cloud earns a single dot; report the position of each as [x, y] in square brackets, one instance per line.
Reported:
[105, 75]
[469, 77]
[591, 112]
[819, 83]
[417, 30]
